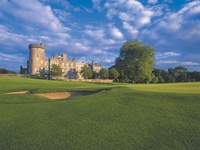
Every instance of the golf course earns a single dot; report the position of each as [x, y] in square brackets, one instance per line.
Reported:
[99, 116]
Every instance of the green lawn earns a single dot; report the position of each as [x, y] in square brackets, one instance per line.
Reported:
[120, 116]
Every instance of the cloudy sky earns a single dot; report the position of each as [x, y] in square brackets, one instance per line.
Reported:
[96, 29]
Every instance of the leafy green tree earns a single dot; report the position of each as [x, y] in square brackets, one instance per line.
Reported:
[56, 70]
[104, 74]
[113, 73]
[5, 71]
[154, 80]
[170, 79]
[180, 74]
[86, 72]
[136, 60]
[195, 76]
[160, 74]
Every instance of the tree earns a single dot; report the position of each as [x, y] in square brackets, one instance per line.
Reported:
[56, 71]
[136, 60]
[104, 74]
[160, 74]
[180, 74]
[113, 73]
[86, 72]
[5, 71]
[195, 76]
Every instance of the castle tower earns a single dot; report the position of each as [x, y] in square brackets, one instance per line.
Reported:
[36, 58]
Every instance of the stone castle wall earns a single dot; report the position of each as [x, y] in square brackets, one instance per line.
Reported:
[64, 79]
[38, 64]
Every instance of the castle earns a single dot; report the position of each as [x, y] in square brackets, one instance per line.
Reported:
[37, 64]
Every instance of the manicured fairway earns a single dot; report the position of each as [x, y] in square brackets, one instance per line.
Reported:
[185, 88]
[116, 117]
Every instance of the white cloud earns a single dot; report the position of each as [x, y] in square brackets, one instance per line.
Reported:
[172, 54]
[10, 38]
[116, 33]
[130, 29]
[167, 62]
[100, 35]
[11, 57]
[152, 1]
[80, 47]
[133, 5]
[191, 8]
[187, 63]
[62, 4]
[176, 20]
[61, 14]
[97, 34]
[144, 18]
[98, 52]
[111, 12]
[96, 4]
[167, 55]
[108, 41]
[33, 13]
[109, 60]
[130, 11]
[125, 16]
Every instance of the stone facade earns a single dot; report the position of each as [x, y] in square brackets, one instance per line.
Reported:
[39, 65]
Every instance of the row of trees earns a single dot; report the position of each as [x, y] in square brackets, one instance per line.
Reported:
[135, 64]
[87, 72]
[177, 74]
[5, 71]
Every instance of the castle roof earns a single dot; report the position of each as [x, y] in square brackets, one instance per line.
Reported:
[41, 45]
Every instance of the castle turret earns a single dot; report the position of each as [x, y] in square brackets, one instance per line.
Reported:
[101, 64]
[64, 56]
[36, 58]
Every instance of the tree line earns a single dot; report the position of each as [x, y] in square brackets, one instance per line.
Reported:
[177, 74]
[6, 71]
[135, 65]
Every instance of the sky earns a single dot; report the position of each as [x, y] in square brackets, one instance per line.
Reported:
[96, 30]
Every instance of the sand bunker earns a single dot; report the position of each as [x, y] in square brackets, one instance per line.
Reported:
[54, 96]
[20, 92]
[57, 95]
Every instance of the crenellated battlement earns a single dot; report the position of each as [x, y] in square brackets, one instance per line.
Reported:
[36, 46]
[38, 64]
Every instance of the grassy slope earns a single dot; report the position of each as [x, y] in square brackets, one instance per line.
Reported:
[185, 88]
[120, 118]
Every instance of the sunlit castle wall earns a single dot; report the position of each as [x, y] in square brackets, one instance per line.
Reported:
[36, 58]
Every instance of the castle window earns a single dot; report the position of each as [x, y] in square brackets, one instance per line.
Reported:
[37, 55]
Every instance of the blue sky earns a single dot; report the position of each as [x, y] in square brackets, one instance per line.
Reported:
[96, 29]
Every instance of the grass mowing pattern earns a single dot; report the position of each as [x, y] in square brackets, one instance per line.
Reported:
[120, 118]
